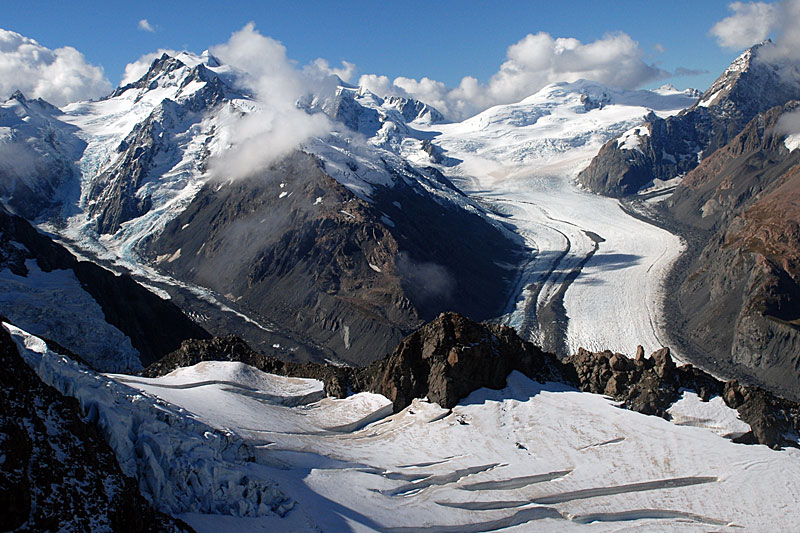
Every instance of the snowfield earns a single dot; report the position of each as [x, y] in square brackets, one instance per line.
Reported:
[528, 457]
[594, 278]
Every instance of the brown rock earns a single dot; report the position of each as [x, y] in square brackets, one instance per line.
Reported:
[639, 353]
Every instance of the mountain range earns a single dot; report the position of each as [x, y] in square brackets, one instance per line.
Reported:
[237, 337]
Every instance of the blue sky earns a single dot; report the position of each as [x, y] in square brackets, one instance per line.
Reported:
[443, 40]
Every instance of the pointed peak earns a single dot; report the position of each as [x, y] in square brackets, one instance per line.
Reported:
[210, 60]
[18, 96]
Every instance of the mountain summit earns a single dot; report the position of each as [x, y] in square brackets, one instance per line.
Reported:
[671, 147]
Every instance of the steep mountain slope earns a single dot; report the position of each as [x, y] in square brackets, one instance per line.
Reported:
[37, 155]
[354, 275]
[113, 322]
[662, 149]
[739, 295]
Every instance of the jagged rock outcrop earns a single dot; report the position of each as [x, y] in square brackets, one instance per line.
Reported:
[444, 360]
[154, 326]
[650, 385]
[752, 84]
[57, 472]
[452, 356]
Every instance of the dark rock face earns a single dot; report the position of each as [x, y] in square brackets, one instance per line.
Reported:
[651, 385]
[736, 307]
[675, 146]
[452, 356]
[293, 247]
[155, 326]
[444, 360]
[58, 474]
[637, 383]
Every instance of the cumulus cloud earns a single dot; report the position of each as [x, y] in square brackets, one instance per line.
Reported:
[756, 21]
[533, 62]
[658, 47]
[787, 32]
[144, 25]
[750, 23]
[277, 127]
[320, 68]
[789, 124]
[59, 76]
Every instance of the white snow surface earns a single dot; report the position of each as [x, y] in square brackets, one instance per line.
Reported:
[792, 142]
[631, 139]
[690, 410]
[522, 159]
[528, 457]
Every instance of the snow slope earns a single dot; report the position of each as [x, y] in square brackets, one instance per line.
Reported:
[591, 261]
[530, 456]
[53, 304]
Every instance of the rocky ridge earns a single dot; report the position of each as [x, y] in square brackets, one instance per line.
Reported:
[452, 356]
[738, 288]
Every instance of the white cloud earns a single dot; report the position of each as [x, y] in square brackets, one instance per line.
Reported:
[278, 127]
[789, 123]
[755, 21]
[750, 23]
[144, 25]
[660, 48]
[59, 76]
[320, 68]
[533, 62]
[787, 32]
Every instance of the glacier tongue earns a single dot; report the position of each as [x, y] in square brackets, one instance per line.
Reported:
[182, 465]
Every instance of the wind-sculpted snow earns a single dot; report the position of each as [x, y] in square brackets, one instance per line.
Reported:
[182, 465]
[531, 455]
